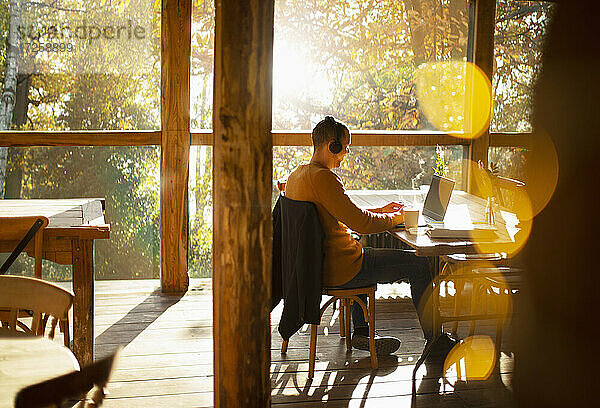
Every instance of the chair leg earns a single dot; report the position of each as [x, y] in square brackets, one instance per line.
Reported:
[64, 328]
[458, 287]
[284, 345]
[371, 319]
[499, 327]
[475, 295]
[341, 317]
[313, 351]
[347, 323]
[501, 307]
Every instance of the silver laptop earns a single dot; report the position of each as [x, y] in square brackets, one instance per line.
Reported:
[438, 197]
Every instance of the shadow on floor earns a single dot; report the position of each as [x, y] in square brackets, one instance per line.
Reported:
[150, 309]
[289, 383]
[491, 392]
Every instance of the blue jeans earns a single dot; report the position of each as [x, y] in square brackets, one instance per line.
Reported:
[384, 265]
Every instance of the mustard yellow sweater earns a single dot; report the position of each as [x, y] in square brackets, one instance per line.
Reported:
[343, 255]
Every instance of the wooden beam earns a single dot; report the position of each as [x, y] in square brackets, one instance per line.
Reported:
[280, 138]
[202, 137]
[175, 142]
[81, 138]
[483, 25]
[359, 138]
[375, 138]
[242, 172]
[511, 140]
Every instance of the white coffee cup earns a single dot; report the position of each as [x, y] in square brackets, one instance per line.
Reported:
[411, 218]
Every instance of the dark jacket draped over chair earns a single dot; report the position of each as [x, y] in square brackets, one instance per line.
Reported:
[297, 264]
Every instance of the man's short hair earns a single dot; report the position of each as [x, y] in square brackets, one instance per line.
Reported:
[327, 129]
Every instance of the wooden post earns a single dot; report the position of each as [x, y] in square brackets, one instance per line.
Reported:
[242, 173]
[83, 309]
[175, 142]
[483, 56]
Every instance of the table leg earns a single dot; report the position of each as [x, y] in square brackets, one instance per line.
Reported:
[83, 303]
[436, 320]
[436, 324]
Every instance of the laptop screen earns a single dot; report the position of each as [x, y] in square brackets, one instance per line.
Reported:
[438, 197]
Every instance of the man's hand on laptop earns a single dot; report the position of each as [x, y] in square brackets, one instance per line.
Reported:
[393, 207]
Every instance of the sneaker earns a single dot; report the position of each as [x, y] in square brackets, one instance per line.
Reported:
[383, 344]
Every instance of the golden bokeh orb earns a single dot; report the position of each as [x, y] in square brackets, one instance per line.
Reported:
[455, 96]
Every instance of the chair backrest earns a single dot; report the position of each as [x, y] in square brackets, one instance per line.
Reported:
[294, 213]
[301, 264]
[43, 299]
[57, 390]
[506, 190]
[14, 229]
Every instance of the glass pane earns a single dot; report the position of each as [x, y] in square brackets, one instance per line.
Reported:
[398, 167]
[521, 28]
[508, 162]
[201, 75]
[128, 177]
[200, 212]
[379, 168]
[80, 64]
[356, 59]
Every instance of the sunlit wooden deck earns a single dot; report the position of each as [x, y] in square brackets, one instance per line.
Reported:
[167, 356]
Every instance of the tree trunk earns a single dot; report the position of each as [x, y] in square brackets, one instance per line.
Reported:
[14, 172]
[19, 116]
[10, 82]
[417, 30]
[3, 160]
[456, 13]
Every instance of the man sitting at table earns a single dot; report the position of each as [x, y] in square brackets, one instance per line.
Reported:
[346, 263]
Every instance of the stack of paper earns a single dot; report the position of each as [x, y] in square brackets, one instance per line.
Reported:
[470, 232]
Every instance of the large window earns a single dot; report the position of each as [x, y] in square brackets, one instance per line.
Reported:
[357, 59]
[89, 65]
[202, 64]
[380, 167]
[80, 64]
[127, 177]
[521, 27]
[508, 162]
[200, 212]
[86, 65]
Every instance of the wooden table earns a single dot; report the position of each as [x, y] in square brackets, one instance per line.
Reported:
[27, 360]
[463, 208]
[68, 239]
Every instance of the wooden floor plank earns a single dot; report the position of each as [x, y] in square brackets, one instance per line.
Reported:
[166, 357]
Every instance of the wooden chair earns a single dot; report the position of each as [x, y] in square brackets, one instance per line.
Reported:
[40, 300]
[14, 229]
[498, 285]
[460, 269]
[345, 297]
[90, 383]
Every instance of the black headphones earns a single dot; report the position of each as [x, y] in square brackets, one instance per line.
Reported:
[336, 146]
